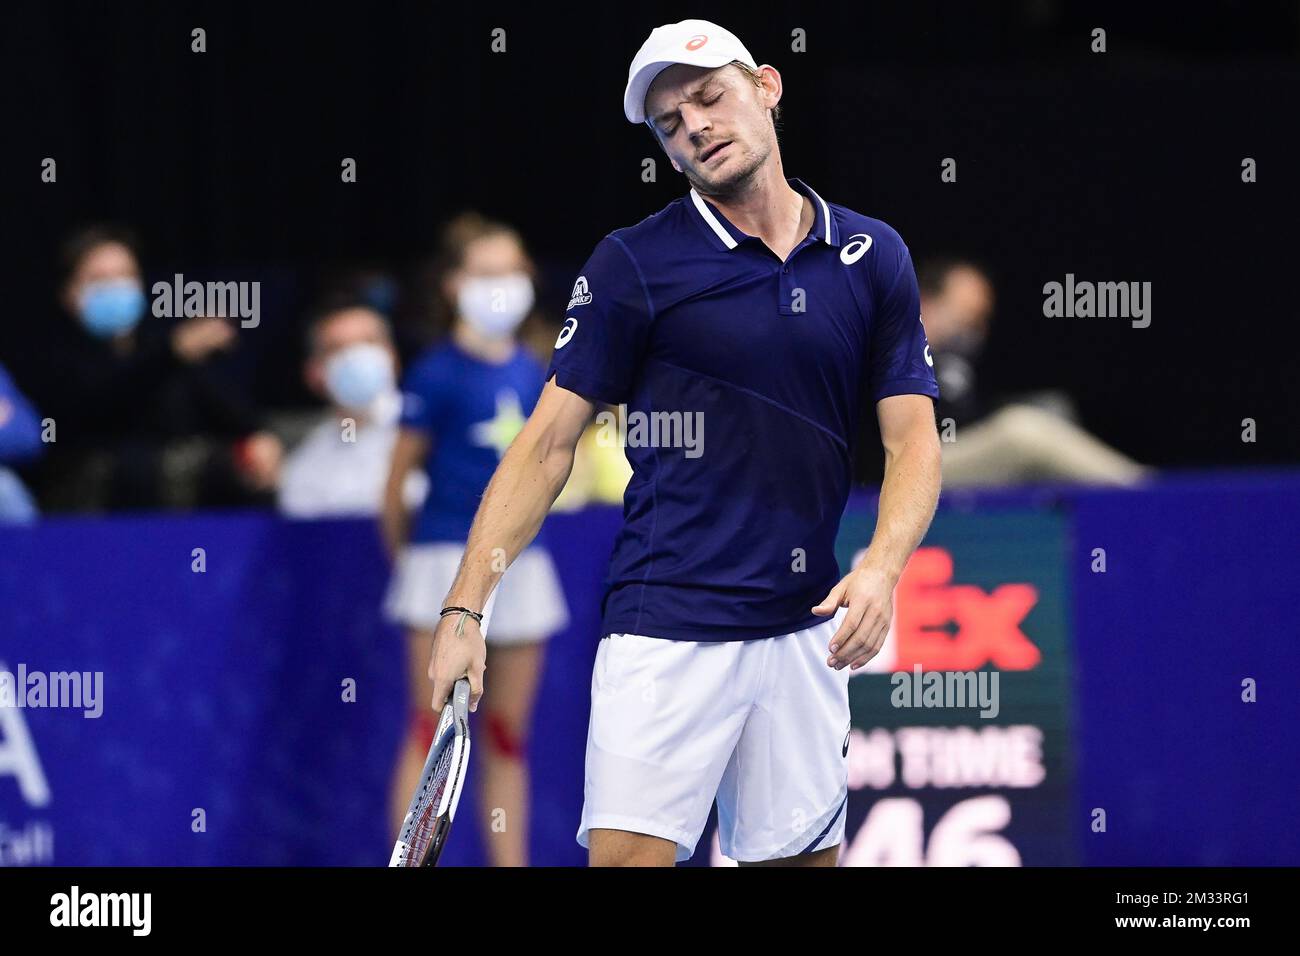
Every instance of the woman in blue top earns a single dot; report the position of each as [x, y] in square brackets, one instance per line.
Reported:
[463, 402]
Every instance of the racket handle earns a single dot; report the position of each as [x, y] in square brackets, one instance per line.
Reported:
[460, 699]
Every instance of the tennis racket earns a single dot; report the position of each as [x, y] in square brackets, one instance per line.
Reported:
[428, 820]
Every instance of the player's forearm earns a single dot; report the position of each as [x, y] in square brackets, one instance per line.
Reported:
[908, 496]
[530, 477]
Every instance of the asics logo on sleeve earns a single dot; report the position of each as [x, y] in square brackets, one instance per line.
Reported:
[580, 295]
[929, 359]
[855, 248]
[566, 333]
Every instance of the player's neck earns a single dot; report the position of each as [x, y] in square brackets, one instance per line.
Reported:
[767, 207]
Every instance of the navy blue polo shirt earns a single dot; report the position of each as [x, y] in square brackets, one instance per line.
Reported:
[742, 376]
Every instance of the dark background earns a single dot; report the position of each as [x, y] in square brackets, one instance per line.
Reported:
[1122, 166]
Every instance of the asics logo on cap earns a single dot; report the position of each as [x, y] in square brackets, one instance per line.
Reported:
[695, 42]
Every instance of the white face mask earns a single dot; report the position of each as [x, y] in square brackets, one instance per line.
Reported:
[495, 305]
[358, 374]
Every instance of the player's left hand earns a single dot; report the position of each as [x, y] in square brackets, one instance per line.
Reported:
[868, 593]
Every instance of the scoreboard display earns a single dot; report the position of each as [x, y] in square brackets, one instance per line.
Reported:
[961, 752]
[961, 746]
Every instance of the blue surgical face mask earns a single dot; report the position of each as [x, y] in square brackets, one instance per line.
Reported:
[495, 305]
[111, 306]
[359, 374]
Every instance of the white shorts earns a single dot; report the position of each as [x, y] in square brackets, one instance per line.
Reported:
[762, 725]
[527, 604]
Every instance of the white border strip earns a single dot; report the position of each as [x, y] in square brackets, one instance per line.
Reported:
[712, 220]
[826, 214]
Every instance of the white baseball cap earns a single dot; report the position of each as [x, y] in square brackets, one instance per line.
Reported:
[695, 42]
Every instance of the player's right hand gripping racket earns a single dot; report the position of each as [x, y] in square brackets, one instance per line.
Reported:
[428, 820]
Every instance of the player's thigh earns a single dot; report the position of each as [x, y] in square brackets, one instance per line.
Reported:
[622, 848]
[665, 718]
[784, 794]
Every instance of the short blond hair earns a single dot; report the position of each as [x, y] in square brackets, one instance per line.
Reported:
[756, 78]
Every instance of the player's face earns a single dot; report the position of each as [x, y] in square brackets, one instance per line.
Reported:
[713, 124]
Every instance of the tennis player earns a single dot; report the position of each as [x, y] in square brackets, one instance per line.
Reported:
[763, 314]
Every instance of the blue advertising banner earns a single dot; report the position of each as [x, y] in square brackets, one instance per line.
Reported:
[223, 689]
[249, 696]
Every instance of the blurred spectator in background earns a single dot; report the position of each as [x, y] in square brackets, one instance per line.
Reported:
[142, 418]
[463, 404]
[600, 468]
[20, 442]
[1033, 438]
[342, 465]
[377, 288]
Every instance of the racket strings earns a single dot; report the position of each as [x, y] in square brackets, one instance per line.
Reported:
[420, 830]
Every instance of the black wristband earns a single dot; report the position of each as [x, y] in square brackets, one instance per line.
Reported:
[461, 610]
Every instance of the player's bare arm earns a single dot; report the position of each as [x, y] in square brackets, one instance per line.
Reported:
[908, 496]
[530, 477]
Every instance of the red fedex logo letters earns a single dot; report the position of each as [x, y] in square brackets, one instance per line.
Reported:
[927, 606]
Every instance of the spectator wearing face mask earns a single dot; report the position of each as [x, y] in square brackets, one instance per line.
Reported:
[463, 403]
[143, 417]
[341, 467]
[20, 442]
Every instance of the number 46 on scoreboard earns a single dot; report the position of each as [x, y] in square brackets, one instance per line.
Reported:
[893, 834]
